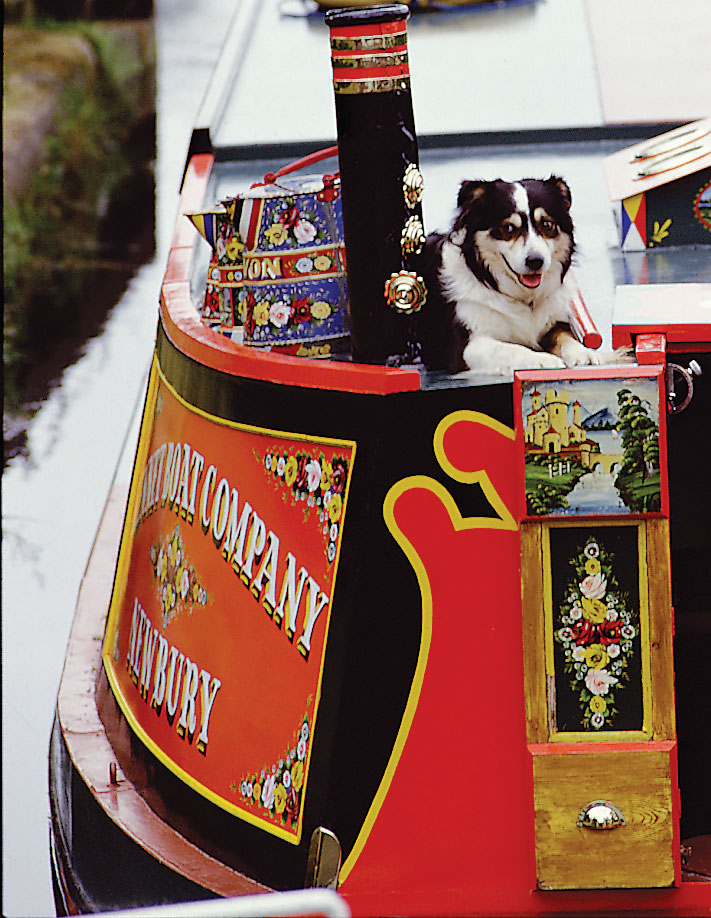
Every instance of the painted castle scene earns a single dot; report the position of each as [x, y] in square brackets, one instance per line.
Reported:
[591, 446]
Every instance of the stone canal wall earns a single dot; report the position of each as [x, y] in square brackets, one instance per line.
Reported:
[78, 151]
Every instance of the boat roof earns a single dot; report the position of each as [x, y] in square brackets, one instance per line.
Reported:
[682, 152]
[505, 89]
[543, 68]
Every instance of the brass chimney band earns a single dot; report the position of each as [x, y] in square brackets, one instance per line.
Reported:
[369, 42]
[394, 59]
[382, 84]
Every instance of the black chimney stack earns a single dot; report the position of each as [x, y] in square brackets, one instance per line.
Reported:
[381, 184]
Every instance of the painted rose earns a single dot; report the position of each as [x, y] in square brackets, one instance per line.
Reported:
[335, 508]
[300, 309]
[301, 749]
[297, 776]
[321, 309]
[261, 313]
[598, 681]
[301, 474]
[280, 798]
[325, 474]
[609, 631]
[594, 610]
[596, 657]
[279, 313]
[313, 474]
[303, 265]
[184, 584]
[292, 804]
[598, 705]
[281, 465]
[162, 567]
[594, 586]
[323, 262]
[338, 481]
[592, 566]
[304, 231]
[290, 470]
[268, 792]
[276, 234]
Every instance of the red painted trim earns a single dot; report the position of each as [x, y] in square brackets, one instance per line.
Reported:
[349, 74]
[697, 334]
[371, 30]
[650, 349]
[185, 330]
[630, 371]
[599, 748]
[606, 372]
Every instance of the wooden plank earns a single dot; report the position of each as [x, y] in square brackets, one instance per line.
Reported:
[636, 855]
[534, 666]
[660, 629]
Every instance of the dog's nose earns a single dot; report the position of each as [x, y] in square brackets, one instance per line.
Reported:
[534, 263]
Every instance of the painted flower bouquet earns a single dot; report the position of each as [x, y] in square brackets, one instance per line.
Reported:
[277, 789]
[597, 632]
[177, 583]
[318, 482]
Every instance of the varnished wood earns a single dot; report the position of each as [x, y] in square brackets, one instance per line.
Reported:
[660, 629]
[638, 854]
[533, 633]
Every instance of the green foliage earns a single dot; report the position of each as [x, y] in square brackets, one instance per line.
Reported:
[545, 494]
[638, 480]
[50, 234]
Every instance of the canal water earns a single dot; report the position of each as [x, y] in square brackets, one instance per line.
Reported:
[52, 497]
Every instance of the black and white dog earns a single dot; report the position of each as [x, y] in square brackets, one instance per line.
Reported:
[499, 292]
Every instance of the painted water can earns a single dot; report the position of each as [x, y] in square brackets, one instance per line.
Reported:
[294, 292]
[277, 274]
[225, 271]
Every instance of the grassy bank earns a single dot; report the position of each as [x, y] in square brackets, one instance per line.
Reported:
[78, 149]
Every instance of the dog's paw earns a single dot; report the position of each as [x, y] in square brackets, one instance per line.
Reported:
[575, 354]
[541, 360]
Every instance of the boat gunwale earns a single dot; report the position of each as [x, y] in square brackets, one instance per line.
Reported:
[187, 332]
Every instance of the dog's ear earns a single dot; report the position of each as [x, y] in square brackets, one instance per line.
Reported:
[563, 189]
[469, 193]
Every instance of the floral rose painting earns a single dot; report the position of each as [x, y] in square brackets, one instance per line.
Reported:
[178, 585]
[277, 790]
[597, 629]
[317, 482]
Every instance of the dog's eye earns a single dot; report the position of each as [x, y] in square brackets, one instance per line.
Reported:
[548, 227]
[507, 230]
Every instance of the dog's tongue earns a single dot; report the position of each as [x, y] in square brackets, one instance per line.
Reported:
[530, 280]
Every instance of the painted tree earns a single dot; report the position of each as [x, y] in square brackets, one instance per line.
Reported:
[640, 442]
